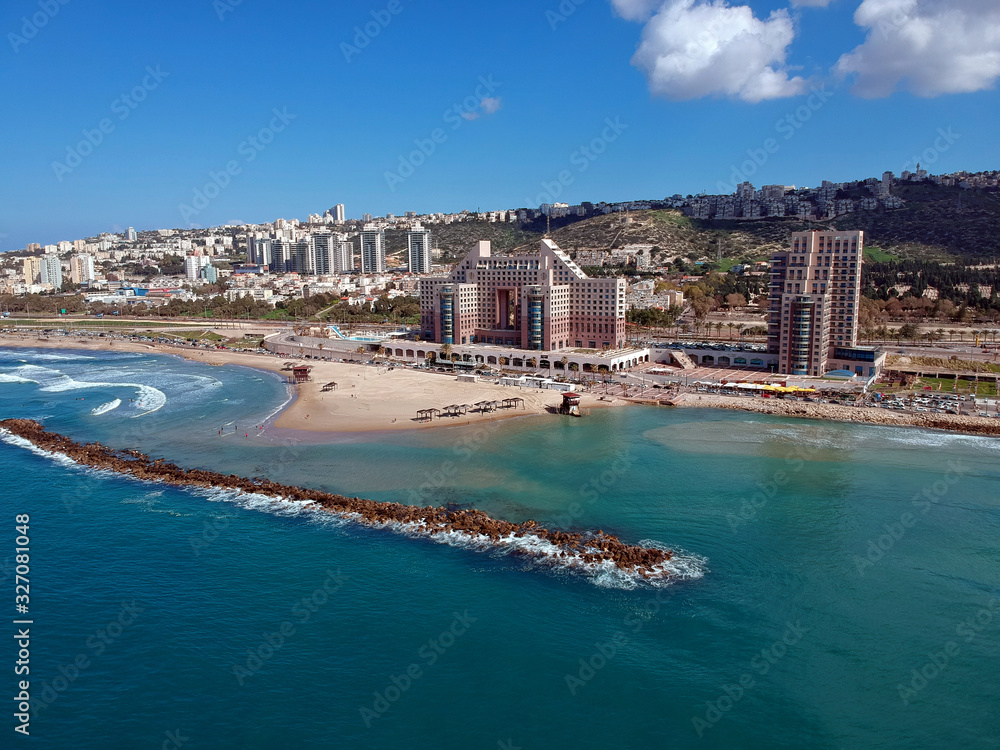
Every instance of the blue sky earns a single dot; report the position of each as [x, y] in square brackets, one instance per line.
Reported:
[710, 83]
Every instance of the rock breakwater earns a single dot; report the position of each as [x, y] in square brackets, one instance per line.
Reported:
[564, 549]
[838, 413]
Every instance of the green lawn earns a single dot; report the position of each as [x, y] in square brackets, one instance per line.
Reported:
[948, 385]
[671, 217]
[878, 255]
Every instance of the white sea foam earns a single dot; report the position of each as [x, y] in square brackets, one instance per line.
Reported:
[105, 408]
[149, 399]
[8, 437]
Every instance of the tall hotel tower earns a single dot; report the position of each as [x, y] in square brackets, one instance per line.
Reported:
[814, 297]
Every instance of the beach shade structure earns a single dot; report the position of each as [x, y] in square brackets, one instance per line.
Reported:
[513, 403]
[428, 414]
[287, 365]
[329, 387]
[482, 405]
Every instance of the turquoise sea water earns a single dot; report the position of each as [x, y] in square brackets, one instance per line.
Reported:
[822, 564]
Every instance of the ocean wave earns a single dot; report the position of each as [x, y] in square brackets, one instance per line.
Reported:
[8, 437]
[105, 408]
[20, 354]
[149, 399]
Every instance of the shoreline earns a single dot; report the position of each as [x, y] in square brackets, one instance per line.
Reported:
[374, 399]
[367, 399]
[954, 423]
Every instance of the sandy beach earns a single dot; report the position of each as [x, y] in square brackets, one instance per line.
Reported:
[367, 398]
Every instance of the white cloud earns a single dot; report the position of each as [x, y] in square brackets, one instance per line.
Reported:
[487, 106]
[490, 104]
[636, 10]
[695, 48]
[927, 47]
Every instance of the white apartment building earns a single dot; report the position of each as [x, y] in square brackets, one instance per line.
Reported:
[418, 249]
[193, 265]
[81, 269]
[372, 249]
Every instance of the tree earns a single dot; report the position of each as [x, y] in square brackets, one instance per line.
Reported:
[731, 327]
[909, 331]
[735, 300]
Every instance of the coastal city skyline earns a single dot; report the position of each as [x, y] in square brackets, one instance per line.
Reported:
[792, 93]
[584, 374]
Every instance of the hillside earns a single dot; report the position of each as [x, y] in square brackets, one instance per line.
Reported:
[937, 223]
[940, 224]
[457, 239]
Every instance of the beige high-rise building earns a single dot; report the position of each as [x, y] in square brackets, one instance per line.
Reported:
[32, 270]
[814, 295]
[81, 269]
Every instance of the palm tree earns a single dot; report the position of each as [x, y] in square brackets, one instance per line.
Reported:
[564, 361]
[731, 327]
[939, 333]
[446, 351]
[718, 329]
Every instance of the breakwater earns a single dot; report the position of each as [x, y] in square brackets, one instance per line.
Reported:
[463, 527]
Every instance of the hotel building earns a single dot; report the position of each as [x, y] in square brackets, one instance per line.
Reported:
[540, 302]
[814, 296]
